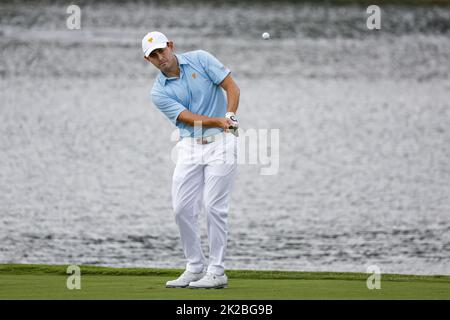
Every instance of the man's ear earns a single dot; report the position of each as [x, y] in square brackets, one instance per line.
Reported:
[170, 45]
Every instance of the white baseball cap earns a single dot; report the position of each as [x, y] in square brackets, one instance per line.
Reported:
[153, 40]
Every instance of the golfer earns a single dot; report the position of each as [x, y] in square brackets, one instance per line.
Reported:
[188, 91]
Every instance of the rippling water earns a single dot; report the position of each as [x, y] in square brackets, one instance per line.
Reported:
[364, 119]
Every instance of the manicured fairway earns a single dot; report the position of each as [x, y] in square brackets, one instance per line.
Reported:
[49, 282]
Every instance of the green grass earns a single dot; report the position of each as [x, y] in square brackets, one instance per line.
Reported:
[49, 282]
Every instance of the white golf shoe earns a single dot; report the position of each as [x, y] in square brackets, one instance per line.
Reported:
[210, 281]
[184, 280]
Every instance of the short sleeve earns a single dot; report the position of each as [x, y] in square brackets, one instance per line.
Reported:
[215, 70]
[170, 107]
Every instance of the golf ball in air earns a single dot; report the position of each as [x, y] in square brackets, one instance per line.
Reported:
[265, 35]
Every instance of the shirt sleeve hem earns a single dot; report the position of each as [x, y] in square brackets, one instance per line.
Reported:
[223, 78]
[175, 121]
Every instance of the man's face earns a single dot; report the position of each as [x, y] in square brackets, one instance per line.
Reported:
[163, 58]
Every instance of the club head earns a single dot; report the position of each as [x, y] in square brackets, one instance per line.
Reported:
[234, 131]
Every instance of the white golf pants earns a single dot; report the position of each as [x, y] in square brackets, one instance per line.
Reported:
[203, 178]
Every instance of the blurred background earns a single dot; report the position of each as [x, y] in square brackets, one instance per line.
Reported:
[364, 119]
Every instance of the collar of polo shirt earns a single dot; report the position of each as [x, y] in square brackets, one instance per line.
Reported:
[181, 60]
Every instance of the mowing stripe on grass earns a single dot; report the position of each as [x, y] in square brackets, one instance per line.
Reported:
[19, 269]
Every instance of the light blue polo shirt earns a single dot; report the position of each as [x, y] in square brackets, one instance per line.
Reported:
[197, 89]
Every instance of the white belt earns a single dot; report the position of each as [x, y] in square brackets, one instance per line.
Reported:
[207, 139]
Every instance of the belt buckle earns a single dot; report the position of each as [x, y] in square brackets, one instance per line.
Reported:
[205, 140]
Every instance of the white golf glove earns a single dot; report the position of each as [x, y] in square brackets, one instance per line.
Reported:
[234, 123]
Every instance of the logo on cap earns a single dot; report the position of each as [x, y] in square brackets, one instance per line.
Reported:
[150, 40]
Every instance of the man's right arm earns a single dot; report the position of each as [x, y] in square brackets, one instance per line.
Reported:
[177, 112]
[192, 119]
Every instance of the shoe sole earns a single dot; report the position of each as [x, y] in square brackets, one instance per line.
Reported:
[222, 286]
[169, 286]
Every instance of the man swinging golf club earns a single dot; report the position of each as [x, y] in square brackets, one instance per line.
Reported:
[188, 90]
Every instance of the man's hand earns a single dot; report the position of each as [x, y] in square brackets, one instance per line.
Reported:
[234, 124]
[192, 119]
[223, 123]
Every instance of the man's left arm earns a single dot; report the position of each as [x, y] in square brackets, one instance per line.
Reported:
[233, 92]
